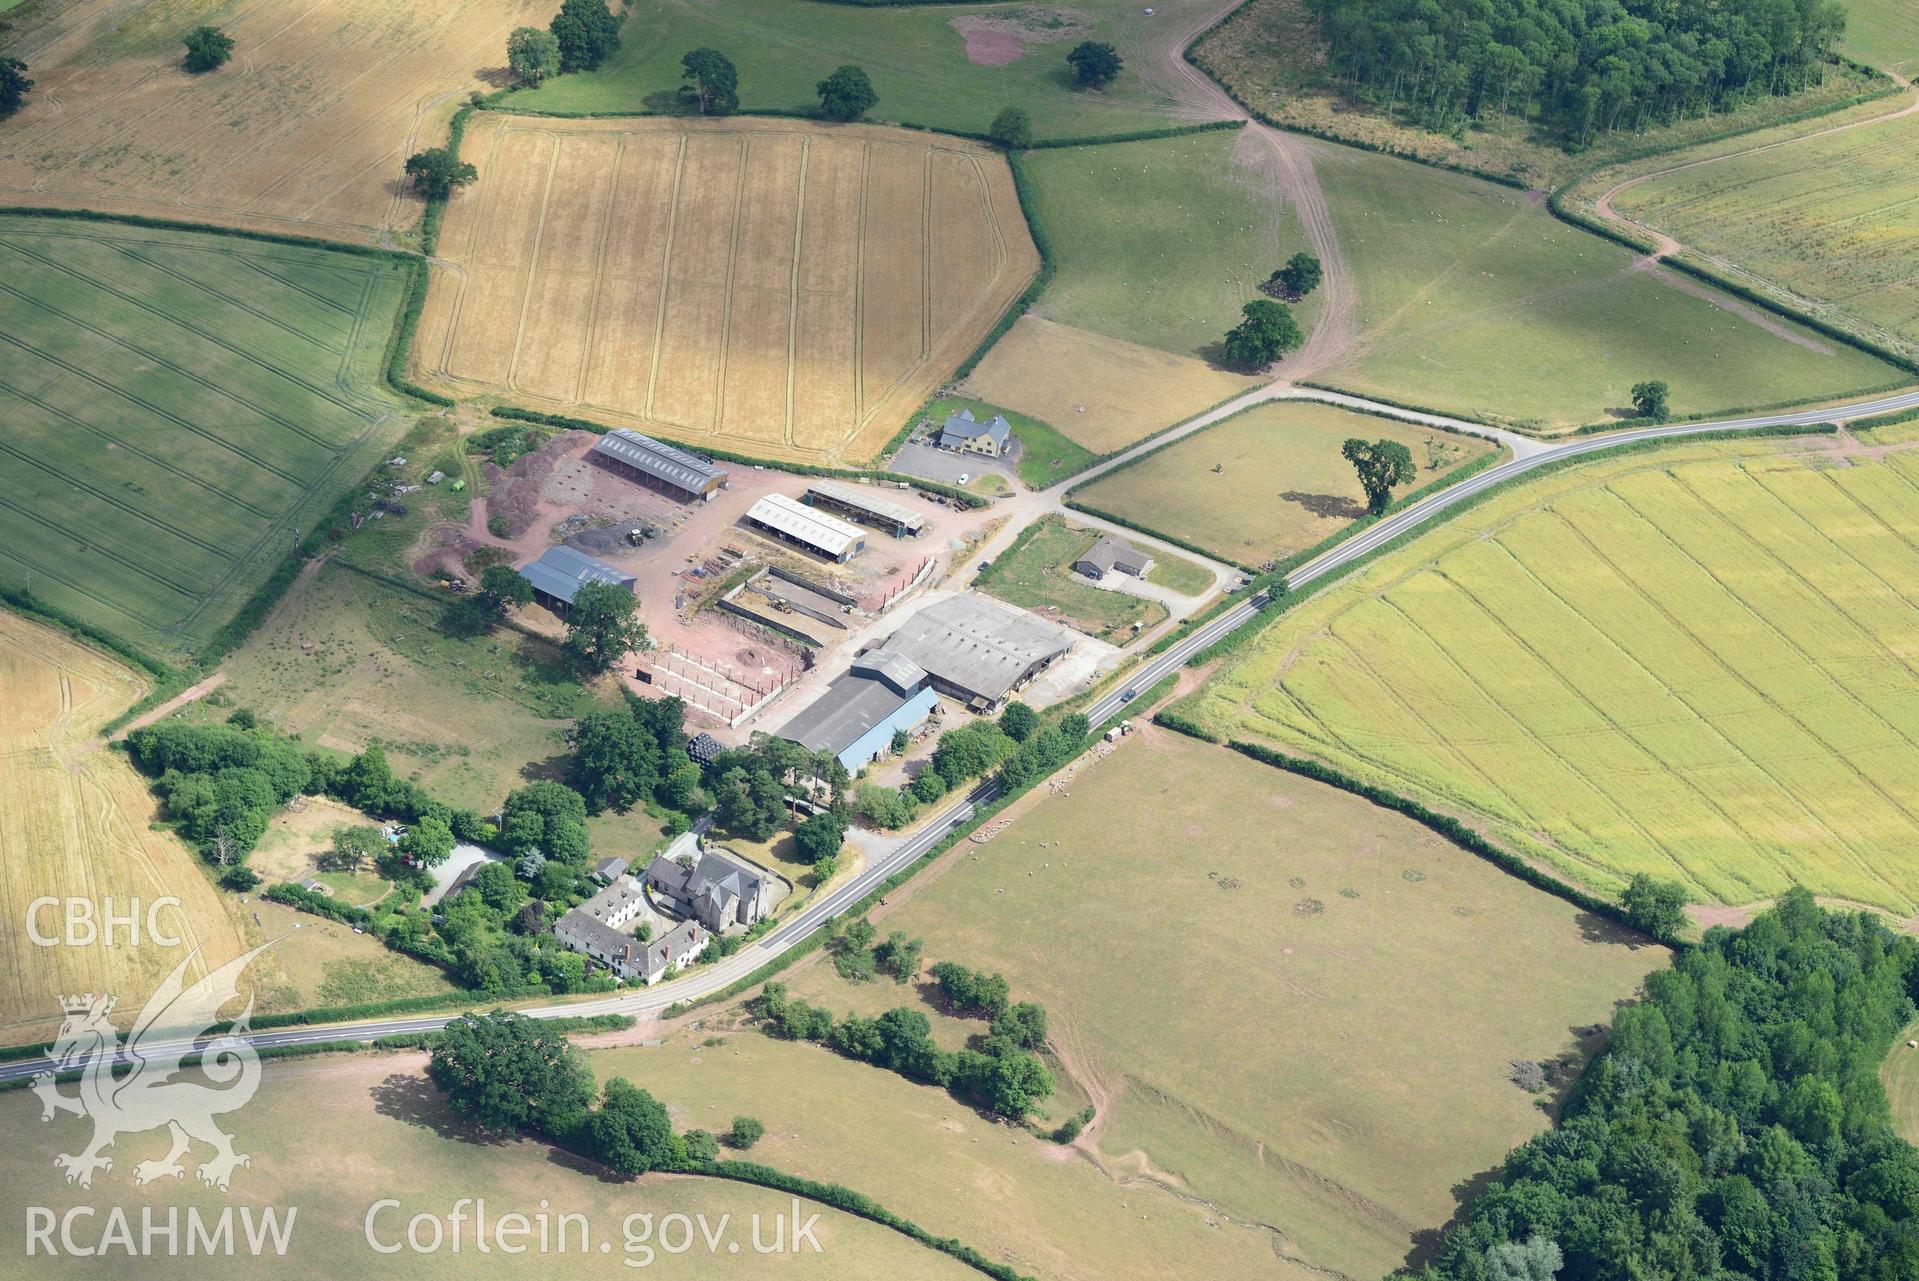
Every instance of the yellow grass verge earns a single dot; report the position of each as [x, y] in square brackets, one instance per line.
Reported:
[1102, 393]
[788, 289]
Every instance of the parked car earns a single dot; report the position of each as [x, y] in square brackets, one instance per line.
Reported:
[964, 477]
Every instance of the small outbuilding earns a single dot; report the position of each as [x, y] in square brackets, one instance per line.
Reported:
[560, 572]
[656, 464]
[609, 870]
[804, 527]
[1110, 555]
[855, 502]
[968, 435]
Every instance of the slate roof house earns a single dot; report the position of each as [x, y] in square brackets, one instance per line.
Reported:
[968, 435]
[719, 890]
[560, 572]
[597, 928]
[1110, 554]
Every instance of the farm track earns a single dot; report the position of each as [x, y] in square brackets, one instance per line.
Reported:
[1666, 246]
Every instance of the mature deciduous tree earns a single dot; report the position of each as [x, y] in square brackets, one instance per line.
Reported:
[436, 171]
[603, 626]
[14, 85]
[1266, 332]
[586, 33]
[1095, 65]
[532, 55]
[847, 94]
[1381, 464]
[712, 82]
[207, 48]
[1012, 129]
[505, 1073]
[1649, 399]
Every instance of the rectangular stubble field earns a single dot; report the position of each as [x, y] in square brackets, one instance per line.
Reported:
[784, 288]
[176, 409]
[305, 130]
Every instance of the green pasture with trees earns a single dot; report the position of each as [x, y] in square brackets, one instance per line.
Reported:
[1473, 299]
[1160, 242]
[913, 55]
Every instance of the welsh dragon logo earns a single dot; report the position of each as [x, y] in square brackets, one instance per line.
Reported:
[146, 1097]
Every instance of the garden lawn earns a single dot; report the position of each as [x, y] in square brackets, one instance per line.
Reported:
[1036, 573]
[1159, 243]
[1267, 482]
[916, 57]
[1300, 1003]
[1475, 300]
[1693, 662]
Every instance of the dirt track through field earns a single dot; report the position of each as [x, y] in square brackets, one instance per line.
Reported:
[792, 289]
[1664, 245]
[1289, 166]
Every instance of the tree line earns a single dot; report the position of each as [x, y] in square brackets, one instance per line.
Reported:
[1576, 67]
[1735, 1126]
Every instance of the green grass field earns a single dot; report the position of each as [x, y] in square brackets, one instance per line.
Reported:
[405, 1147]
[1267, 482]
[1474, 299]
[347, 662]
[176, 410]
[1159, 243]
[917, 59]
[1189, 578]
[1850, 247]
[1022, 1201]
[1883, 34]
[1695, 663]
[1901, 1077]
[1037, 574]
[1290, 1004]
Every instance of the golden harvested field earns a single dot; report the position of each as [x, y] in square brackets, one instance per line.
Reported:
[74, 821]
[1292, 1007]
[1698, 662]
[1099, 392]
[789, 289]
[309, 124]
[405, 1146]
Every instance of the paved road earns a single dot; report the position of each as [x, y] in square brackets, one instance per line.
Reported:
[709, 979]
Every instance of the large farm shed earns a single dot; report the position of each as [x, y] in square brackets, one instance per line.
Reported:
[794, 522]
[854, 501]
[978, 650]
[654, 462]
[857, 716]
[560, 573]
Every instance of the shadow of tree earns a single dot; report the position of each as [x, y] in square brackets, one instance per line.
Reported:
[414, 1100]
[1326, 506]
[1428, 1241]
